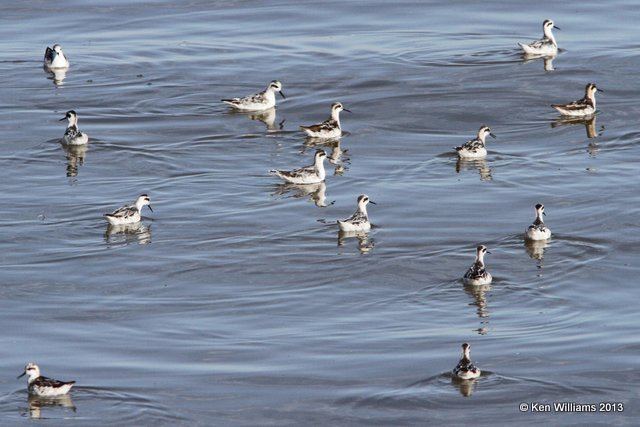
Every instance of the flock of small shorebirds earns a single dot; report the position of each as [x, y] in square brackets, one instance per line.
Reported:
[55, 59]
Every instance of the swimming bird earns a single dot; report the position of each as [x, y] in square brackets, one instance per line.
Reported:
[583, 107]
[359, 221]
[330, 128]
[475, 148]
[260, 101]
[54, 58]
[537, 230]
[311, 174]
[73, 135]
[129, 214]
[465, 369]
[546, 45]
[476, 274]
[43, 386]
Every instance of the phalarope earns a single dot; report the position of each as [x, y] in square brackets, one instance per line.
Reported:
[583, 107]
[43, 386]
[475, 149]
[537, 230]
[73, 135]
[260, 101]
[359, 221]
[54, 57]
[476, 274]
[129, 214]
[330, 128]
[311, 174]
[465, 369]
[546, 45]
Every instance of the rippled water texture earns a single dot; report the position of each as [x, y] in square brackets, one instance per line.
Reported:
[236, 301]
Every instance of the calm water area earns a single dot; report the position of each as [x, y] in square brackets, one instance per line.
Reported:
[236, 301]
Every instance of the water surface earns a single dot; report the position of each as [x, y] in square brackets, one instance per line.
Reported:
[236, 302]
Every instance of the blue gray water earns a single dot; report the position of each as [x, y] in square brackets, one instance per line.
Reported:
[236, 302]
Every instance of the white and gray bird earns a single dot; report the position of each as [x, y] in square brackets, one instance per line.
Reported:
[54, 58]
[584, 107]
[475, 148]
[477, 274]
[465, 369]
[260, 101]
[129, 214]
[330, 128]
[73, 135]
[43, 386]
[546, 45]
[537, 230]
[359, 221]
[311, 174]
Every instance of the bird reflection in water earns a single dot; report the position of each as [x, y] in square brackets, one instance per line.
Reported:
[268, 117]
[315, 192]
[479, 295]
[465, 387]
[547, 60]
[478, 164]
[588, 122]
[56, 75]
[128, 233]
[75, 155]
[337, 155]
[535, 249]
[38, 403]
[365, 244]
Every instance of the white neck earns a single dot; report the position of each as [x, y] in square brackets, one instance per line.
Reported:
[73, 121]
[362, 207]
[320, 167]
[270, 94]
[549, 34]
[591, 94]
[335, 115]
[480, 257]
[139, 204]
[33, 375]
[465, 353]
